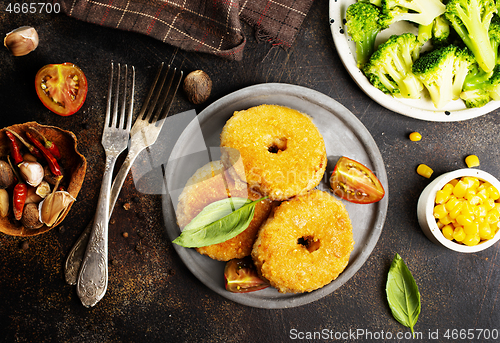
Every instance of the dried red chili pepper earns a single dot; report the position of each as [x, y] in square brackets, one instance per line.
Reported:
[49, 145]
[20, 193]
[19, 199]
[15, 149]
[34, 151]
[51, 160]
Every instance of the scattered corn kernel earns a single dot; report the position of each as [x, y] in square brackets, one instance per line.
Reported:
[424, 170]
[467, 211]
[472, 161]
[415, 136]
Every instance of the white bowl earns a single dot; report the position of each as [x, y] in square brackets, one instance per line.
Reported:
[425, 209]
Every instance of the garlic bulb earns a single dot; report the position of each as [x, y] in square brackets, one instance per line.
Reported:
[31, 172]
[21, 41]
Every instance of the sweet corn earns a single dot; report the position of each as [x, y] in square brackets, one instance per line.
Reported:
[472, 161]
[415, 136]
[424, 170]
[467, 211]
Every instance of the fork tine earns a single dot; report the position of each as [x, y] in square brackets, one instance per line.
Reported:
[117, 97]
[161, 112]
[158, 93]
[110, 90]
[124, 103]
[150, 93]
[131, 108]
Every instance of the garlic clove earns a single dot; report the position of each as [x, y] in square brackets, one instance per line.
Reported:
[21, 41]
[43, 189]
[31, 172]
[4, 203]
[53, 206]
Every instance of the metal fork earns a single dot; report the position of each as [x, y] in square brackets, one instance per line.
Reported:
[144, 133]
[93, 277]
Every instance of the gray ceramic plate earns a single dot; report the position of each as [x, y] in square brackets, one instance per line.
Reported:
[344, 135]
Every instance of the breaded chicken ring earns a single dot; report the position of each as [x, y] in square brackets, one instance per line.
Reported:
[283, 152]
[209, 184]
[305, 243]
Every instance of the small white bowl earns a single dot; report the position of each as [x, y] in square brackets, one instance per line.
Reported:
[426, 203]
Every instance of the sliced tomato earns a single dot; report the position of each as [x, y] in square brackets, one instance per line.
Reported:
[356, 183]
[62, 88]
[240, 276]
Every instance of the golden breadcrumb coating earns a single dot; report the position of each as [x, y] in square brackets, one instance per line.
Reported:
[283, 152]
[305, 244]
[209, 184]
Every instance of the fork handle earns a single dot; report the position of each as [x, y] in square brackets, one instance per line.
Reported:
[93, 278]
[75, 257]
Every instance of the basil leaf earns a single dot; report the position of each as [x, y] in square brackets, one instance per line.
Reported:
[402, 293]
[218, 222]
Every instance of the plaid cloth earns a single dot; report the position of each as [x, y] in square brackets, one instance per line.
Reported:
[211, 26]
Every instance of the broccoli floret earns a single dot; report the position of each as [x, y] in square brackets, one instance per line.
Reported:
[390, 67]
[422, 12]
[437, 32]
[440, 31]
[480, 87]
[494, 34]
[471, 20]
[362, 21]
[442, 71]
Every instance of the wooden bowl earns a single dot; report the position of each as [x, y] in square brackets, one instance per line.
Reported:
[72, 162]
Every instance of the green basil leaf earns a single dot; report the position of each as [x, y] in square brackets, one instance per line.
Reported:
[402, 293]
[218, 222]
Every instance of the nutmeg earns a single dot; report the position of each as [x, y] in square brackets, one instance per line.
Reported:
[7, 177]
[197, 86]
[21, 41]
[31, 217]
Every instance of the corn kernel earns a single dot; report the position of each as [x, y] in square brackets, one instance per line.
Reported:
[471, 240]
[460, 189]
[424, 170]
[442, 196]
[459, 234]
[472, 161]
[465, 219]
[445, 220]
[452, 203]
[493, 216]
[448, 231]
[440, 211]
[485, 231]
[493, 192]
[471, 229]
[415, 136]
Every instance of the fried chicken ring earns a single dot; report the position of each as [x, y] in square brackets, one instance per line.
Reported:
[283, 152]
[209, 184]
[305, 243]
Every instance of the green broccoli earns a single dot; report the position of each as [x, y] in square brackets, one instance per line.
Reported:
[362, 21]
[471, 20]
[480, 87]
[390, 66]
[494, 34]
[422, 12]
[443, 71]
[437, 32]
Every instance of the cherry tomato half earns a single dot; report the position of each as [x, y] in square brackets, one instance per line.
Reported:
[240, 276]
[62, 88]
[356, 183]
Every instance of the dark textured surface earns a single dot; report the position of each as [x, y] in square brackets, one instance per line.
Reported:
[151, 295]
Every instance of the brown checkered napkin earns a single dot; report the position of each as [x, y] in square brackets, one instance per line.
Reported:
[211, 26]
